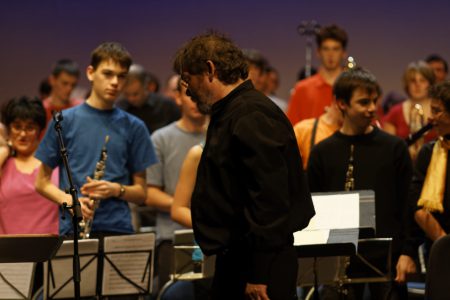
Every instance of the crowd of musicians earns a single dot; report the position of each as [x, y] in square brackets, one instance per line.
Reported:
[216, 150]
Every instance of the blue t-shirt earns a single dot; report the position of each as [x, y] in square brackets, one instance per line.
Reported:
[129, 150]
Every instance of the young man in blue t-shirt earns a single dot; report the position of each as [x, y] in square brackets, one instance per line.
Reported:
[85, 128]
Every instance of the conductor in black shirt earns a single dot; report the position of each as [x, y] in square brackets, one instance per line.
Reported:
[251, 193]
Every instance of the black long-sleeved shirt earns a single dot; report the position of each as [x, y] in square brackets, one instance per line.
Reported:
[382, 164]
[250, 189]
[420, 171]
[156, 112]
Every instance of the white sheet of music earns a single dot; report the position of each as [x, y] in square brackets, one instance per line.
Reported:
[337, 211]
[311, 237]
[131, 264]
[20, 275]
[63, 269]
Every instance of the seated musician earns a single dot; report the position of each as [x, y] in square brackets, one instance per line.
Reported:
[362, 157]
[430, 180]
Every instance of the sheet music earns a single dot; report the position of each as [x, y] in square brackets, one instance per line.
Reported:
[20, 275]
[335, 211]
[311, 237]
[131, 264]
[63, 270]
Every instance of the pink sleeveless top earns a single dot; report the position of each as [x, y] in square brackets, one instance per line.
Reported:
[22, 209]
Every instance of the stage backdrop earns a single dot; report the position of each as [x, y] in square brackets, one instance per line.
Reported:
[384, 35]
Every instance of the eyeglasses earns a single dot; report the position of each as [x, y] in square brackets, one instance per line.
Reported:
[28, 129]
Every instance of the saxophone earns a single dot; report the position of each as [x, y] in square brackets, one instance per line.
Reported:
[349, 180]
[86, 225]
[416, 122]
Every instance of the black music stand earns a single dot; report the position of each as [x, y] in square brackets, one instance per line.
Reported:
[24, 248]
[128, 264]
[327, 262]
[57, 279]
[28, 247]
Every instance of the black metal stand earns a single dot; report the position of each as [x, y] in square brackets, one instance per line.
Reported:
[75, 207]
[309, 29]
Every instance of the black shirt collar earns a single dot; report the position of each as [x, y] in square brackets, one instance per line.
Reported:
[219, 105]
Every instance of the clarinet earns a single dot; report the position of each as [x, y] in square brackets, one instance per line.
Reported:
[349, 180]
[413, 137]
[86, 226]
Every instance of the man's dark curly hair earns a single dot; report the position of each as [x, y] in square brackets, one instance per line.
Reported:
[441, 91]
[228, 59]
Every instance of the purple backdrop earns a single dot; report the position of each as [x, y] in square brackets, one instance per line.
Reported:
[384, 35]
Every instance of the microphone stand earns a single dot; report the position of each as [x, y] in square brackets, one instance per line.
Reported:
[309, 29]
[75, 207]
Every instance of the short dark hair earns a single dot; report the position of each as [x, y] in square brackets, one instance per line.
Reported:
[67, 66]
[153, 79]
[441, 91]
[111, 50]
[437, 58]
[332, 32]
[350, 80]
[24, 108]
[228, 59]
[254, 57]
[44, 87]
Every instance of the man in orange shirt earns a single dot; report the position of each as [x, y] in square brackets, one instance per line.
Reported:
[63, 80]
[311, 131]
[313, 94]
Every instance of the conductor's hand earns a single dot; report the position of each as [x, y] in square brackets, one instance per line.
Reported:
[256, 291]
[99, 189]
[405, 265]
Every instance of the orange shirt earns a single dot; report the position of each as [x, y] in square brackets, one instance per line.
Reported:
[303, 132]
[309, 99]
[49, 108]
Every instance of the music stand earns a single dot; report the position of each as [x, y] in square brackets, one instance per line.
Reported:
[58, 274]
[128, 264]
[185, 268]
[325, 247]
[28, 247]
[18, 257]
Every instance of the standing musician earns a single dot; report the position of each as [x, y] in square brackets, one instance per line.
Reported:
[430, 183]
[360, 156]
[251, 193]
[22, 209]
[409, 116]
[85, 128]
[312, 95]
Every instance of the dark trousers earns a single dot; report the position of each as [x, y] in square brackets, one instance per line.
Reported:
[231, 275]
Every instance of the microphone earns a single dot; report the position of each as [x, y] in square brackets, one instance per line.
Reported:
[413, 137]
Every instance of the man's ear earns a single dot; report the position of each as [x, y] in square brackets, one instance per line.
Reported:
[341, 104]
[89, 72]
[211, 69]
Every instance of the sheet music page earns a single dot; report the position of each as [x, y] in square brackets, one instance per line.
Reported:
[335, 211]
[339, 211]
[63, 270]
[311, 237]
[20, 276]
[131, 264]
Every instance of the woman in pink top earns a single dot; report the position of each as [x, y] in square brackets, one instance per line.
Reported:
[22, 209]
[412, 114]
